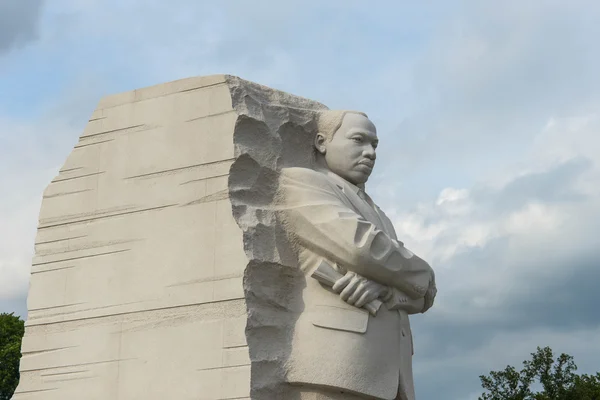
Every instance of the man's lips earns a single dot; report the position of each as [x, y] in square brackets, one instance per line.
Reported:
[367, 163]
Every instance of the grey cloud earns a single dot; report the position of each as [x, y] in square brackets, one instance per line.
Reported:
[557, 305]
[555, 185]
[19, 22]
[563, 302]
[557, 301]
[546, 285]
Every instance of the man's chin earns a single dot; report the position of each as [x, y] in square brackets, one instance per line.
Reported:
[359, 178]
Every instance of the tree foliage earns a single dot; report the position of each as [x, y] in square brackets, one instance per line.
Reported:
[11, 334]
[556, 377]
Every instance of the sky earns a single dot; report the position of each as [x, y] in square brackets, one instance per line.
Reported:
[489, 124]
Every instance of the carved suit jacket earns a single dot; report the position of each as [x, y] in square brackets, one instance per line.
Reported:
[337, 345]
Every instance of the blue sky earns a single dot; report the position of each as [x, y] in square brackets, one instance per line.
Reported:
[488, 115]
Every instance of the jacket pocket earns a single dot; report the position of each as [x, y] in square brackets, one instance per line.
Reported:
[342, 319]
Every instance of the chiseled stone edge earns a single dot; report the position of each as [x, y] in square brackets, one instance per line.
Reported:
[273, 129]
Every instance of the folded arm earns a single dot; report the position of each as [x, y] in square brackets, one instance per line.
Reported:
[396, 300]
[322, 222]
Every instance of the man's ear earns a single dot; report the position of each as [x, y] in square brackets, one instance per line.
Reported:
[320, 143]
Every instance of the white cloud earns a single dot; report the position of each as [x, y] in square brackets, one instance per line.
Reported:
[537, 217]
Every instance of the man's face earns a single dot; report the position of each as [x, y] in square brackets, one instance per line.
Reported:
[351, 152]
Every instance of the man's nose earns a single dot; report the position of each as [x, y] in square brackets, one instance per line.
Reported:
[369, 152]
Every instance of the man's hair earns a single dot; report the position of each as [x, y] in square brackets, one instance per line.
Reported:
[329, 121]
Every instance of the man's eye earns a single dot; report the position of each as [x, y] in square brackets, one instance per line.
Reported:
[357, 139]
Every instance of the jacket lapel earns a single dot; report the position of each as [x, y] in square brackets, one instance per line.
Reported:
[365, 209]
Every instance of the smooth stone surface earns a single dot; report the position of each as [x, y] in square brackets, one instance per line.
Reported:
[136, 287]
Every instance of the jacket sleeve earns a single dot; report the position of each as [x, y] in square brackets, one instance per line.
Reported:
[318, 219]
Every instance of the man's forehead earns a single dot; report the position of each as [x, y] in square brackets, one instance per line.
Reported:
[358, 122]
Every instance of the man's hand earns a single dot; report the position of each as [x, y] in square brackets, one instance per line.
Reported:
[358, 291]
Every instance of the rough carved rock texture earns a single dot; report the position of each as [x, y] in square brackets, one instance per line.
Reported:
[273, 130]
[143, 285]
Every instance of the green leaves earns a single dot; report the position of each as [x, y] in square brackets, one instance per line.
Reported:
[507, 384]
[557, 378]
[11, 334]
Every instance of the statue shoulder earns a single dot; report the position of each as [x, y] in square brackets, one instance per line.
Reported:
[305, 175]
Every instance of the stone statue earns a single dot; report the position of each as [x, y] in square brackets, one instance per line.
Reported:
[197, 244]
[353, 339]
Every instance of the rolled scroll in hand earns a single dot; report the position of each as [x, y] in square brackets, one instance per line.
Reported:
[328, 275]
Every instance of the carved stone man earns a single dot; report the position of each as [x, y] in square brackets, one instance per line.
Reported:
[353, 339]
